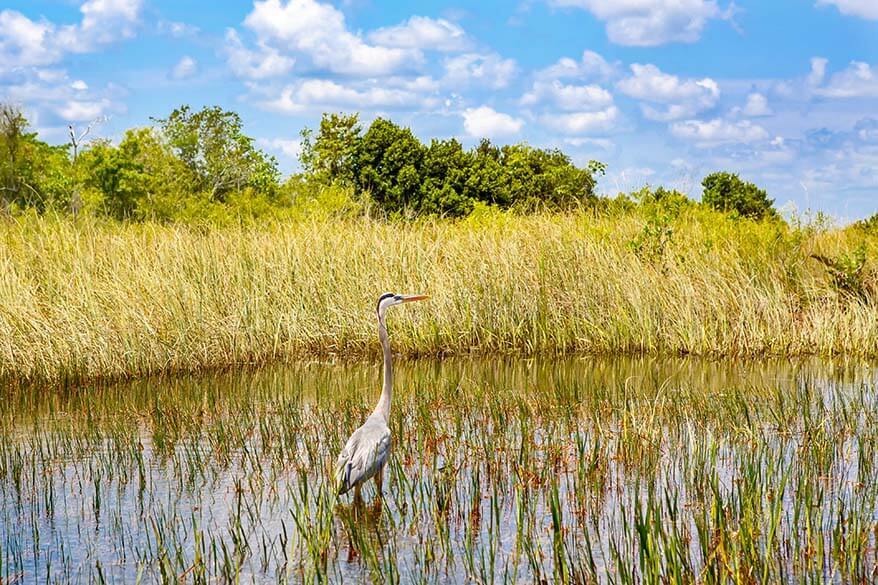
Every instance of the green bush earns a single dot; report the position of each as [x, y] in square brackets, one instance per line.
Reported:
[728, 193]
[868, 225]
[847, 272]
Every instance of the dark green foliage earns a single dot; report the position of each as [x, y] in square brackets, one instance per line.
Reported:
[727, 192]
[444, 174]
[402, 175]
[388, 165]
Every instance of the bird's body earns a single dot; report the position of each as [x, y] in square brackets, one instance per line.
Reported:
[364, 455]
[368, 448]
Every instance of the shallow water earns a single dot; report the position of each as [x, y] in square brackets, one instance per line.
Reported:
[628, 469]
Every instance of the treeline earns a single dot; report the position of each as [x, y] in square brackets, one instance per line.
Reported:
[199, 165]
[401, 174]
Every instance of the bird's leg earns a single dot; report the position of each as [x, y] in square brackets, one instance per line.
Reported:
[357, 499]
[379, 482]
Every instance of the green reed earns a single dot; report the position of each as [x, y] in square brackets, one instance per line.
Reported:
[569, 471]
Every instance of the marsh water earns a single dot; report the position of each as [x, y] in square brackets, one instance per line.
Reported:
[560, 470]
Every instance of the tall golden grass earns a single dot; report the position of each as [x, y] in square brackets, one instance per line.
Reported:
[90, 298]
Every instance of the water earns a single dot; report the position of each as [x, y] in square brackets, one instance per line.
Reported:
[502, 470]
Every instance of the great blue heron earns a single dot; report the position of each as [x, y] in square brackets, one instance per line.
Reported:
[365, 453]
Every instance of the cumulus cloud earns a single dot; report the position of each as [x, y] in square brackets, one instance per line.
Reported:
[591, 65]
[582, 122]
[681, 98]
[568, 97]
[184, 68]
[818, 70]
[717, 131]
[866, 130]
[260, 64]
[25, 42]
[486, 122]
[756, 106]
[421, 32]
[646, 23]
[318, 31]
[320, 94]
[290, 148]
[75, 110]
[489, 70]
[862, 8]
[858, 80]
[52, 96]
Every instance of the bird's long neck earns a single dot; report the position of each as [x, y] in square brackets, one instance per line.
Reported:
[383, 407]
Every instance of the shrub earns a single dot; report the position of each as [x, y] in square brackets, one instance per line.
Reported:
[728, 193]
[868, 225]
[847, 272]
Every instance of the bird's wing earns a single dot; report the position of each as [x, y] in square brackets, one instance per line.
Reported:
[363, 455]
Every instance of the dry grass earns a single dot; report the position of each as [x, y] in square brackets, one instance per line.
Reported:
[98, 299]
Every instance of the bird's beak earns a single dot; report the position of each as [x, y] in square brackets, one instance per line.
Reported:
[412, 298]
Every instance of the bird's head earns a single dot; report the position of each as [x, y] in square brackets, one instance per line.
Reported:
[389, 299]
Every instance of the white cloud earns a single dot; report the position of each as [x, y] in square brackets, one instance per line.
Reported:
[862, 8]
[103, 22]
[421, 32]
[591, 65]
[27, 43]
[178, 30]
[859, 80]
[718, 131]
[24, 42]
[82, 110]
[319, 31]
[756, 106]
[682, 98]
[420, 84]
[290, 148]
[650, 22]
[582, 122]
[818, 70]
[568, 97]
[264, 63]
[185, 68]
[52, 97]
[490, 70]
[320, 94]
[867, 130]
[485, 122]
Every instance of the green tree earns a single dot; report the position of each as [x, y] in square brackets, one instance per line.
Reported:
[32, 173]
[329, 156]
[545, 178]
[388, 166]
[222, 159]
[444, 172]
[727, 192]
[141, 178]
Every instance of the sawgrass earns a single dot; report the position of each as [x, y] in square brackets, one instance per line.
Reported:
[98, 299]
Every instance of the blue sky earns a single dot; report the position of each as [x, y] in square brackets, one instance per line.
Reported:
[784, 92]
